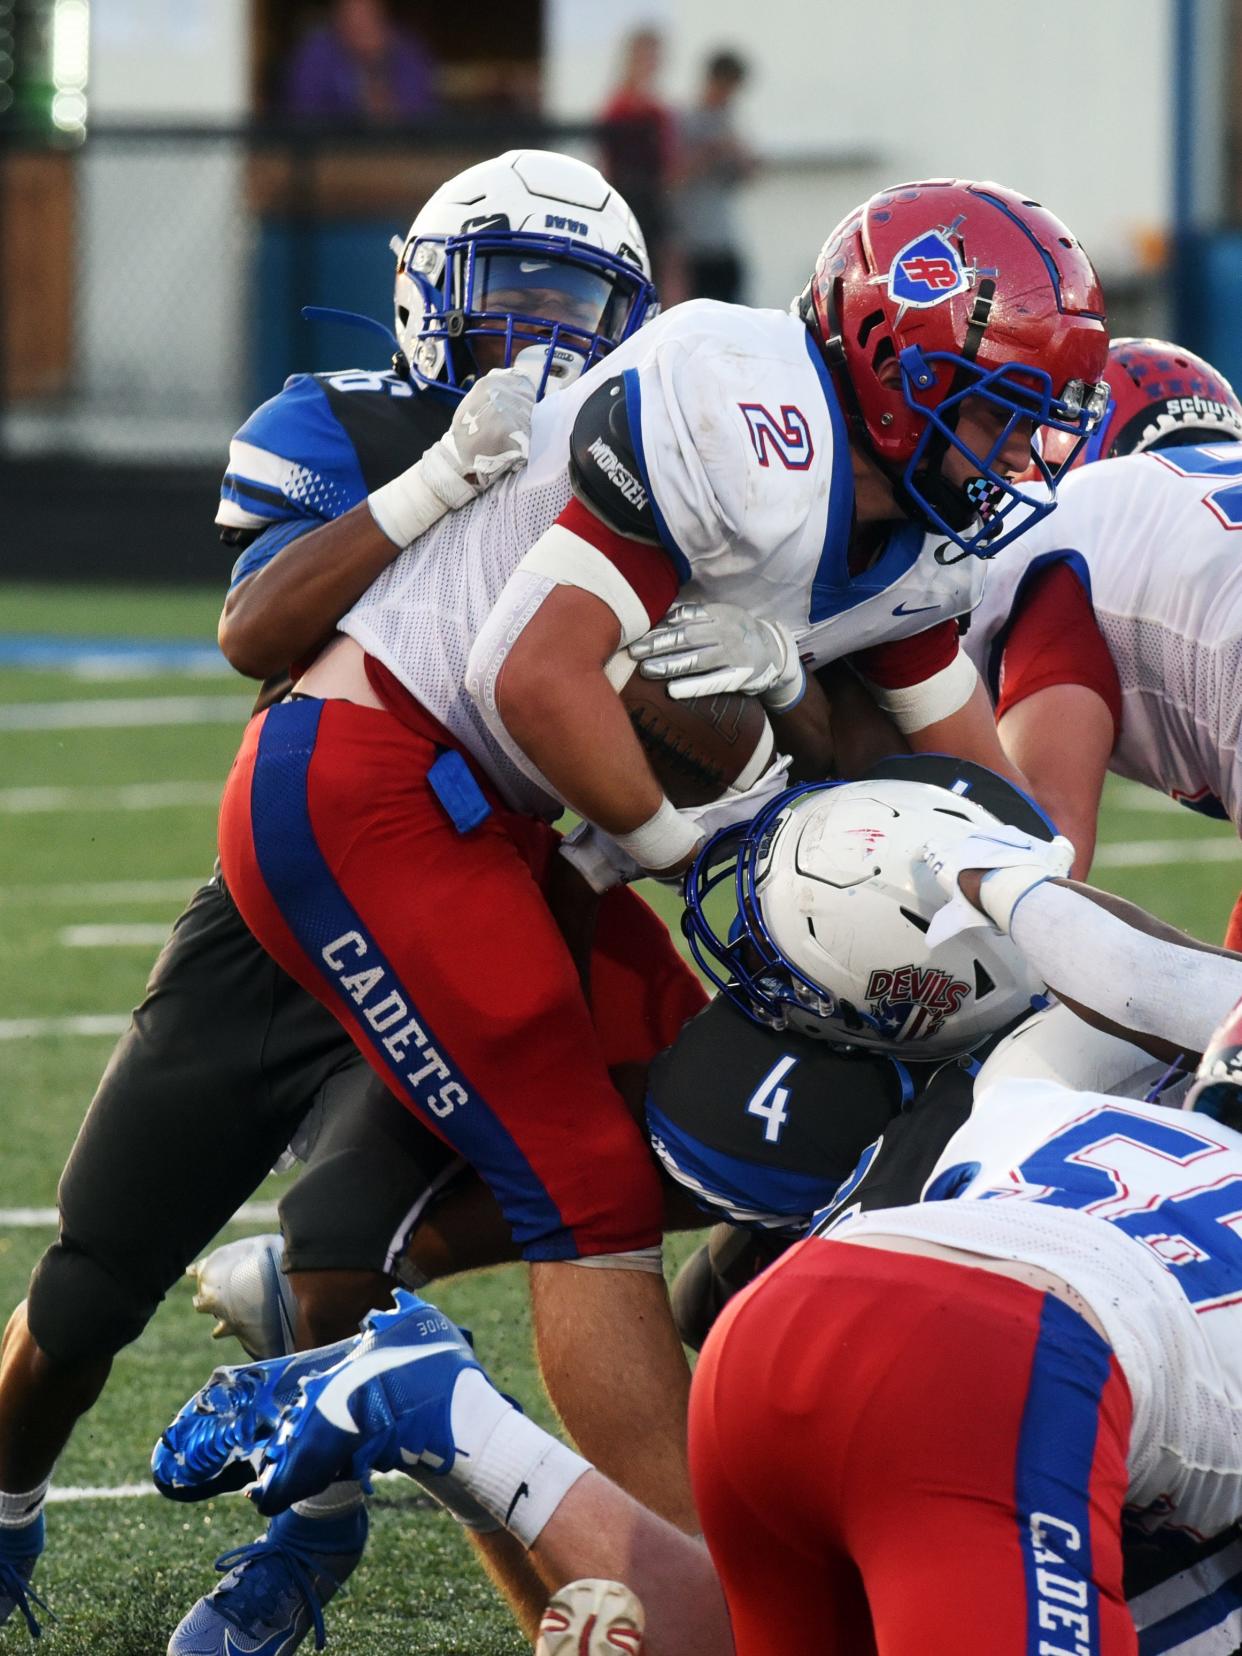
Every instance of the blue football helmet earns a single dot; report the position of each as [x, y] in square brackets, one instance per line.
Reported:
[530, 249]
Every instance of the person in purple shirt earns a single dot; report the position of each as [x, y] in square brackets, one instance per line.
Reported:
[360, 66]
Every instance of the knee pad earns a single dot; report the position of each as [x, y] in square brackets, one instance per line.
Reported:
[76, 1308]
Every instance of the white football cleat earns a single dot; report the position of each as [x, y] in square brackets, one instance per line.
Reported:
[592, 1618]
[242, 1285]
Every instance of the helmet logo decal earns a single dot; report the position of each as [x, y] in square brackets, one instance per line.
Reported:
[571, 227]
[911, 1003]
[928, 270]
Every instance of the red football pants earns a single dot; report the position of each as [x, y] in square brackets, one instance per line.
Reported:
[896, 1455]
[440, 956]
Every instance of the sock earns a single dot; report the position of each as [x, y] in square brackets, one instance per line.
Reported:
[335, 1501]
[18, 1512]
[515, 1470]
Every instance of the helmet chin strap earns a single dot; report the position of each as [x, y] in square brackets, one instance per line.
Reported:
[944, 497]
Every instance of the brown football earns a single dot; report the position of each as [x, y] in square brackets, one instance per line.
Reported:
[698, 747]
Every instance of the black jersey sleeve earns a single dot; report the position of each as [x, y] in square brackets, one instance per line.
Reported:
[761, 1126]
[894, 1170]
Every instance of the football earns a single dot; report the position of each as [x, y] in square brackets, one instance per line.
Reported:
[697, 747]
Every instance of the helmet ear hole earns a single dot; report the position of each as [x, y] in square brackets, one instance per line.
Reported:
[984, 985]
[916, 920]
[869, 325]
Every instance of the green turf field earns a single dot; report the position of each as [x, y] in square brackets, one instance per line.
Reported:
[112, 826]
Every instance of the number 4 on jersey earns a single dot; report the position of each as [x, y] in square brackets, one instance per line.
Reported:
[769, 1099]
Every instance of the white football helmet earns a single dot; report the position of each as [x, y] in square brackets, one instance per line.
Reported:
[833, 901]
[529, 248]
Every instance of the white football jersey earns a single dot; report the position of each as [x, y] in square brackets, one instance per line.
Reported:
[746, 460]
[1139, 1208]
[1152, 537]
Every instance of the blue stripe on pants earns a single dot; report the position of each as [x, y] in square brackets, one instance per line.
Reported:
[1056, 1448]
[337, 942]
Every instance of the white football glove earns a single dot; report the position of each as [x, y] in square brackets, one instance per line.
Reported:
[489, 435]
[710, 649]
[1016, 862]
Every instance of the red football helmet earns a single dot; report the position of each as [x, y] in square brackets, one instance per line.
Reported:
[1160, 396]
[974, 291]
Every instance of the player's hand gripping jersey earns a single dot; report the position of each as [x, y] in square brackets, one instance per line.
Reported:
[1133, 1205]
[1152, 540]
[709, 457]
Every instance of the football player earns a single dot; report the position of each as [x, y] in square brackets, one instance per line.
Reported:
[226, 1056]
[1121, 618]
[384, 832]
[1042, 1344]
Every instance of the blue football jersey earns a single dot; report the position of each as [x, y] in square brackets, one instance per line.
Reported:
[316, 449]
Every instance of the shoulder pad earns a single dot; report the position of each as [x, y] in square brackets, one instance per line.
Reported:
[605, 469]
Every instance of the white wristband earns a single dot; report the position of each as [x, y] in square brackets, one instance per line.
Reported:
[418, 497]
[664, 839]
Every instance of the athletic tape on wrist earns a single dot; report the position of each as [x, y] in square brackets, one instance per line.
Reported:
[663, 840]
[1002, 889]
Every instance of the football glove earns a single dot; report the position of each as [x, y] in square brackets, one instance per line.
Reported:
[714, 649]
[1015, 862]
[489, 435]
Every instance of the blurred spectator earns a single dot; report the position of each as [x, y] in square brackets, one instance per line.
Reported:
[713, 162]
[360, 66]
[637, 145]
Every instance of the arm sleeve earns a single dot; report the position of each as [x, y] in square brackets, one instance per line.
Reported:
[1141, 982]
[291, 460]
[1056, 639]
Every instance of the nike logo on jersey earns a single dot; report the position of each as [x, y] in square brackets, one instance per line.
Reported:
[333, 1400]
[919, 609]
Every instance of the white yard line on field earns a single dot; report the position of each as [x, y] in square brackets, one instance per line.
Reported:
[112, 937]
[125, 712]
[37, 1218]
[129, 796]
[90, 1023]
[1152, 853]
[136, 1491]
[104, 891]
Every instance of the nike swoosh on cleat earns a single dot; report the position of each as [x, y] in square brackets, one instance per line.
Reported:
[277, 1645]
[919, 609]
[333, 1400]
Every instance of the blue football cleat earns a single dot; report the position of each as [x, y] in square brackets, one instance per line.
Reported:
[212, 1446]
[20, 1550]
[275, 1589]
[385, 1406]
